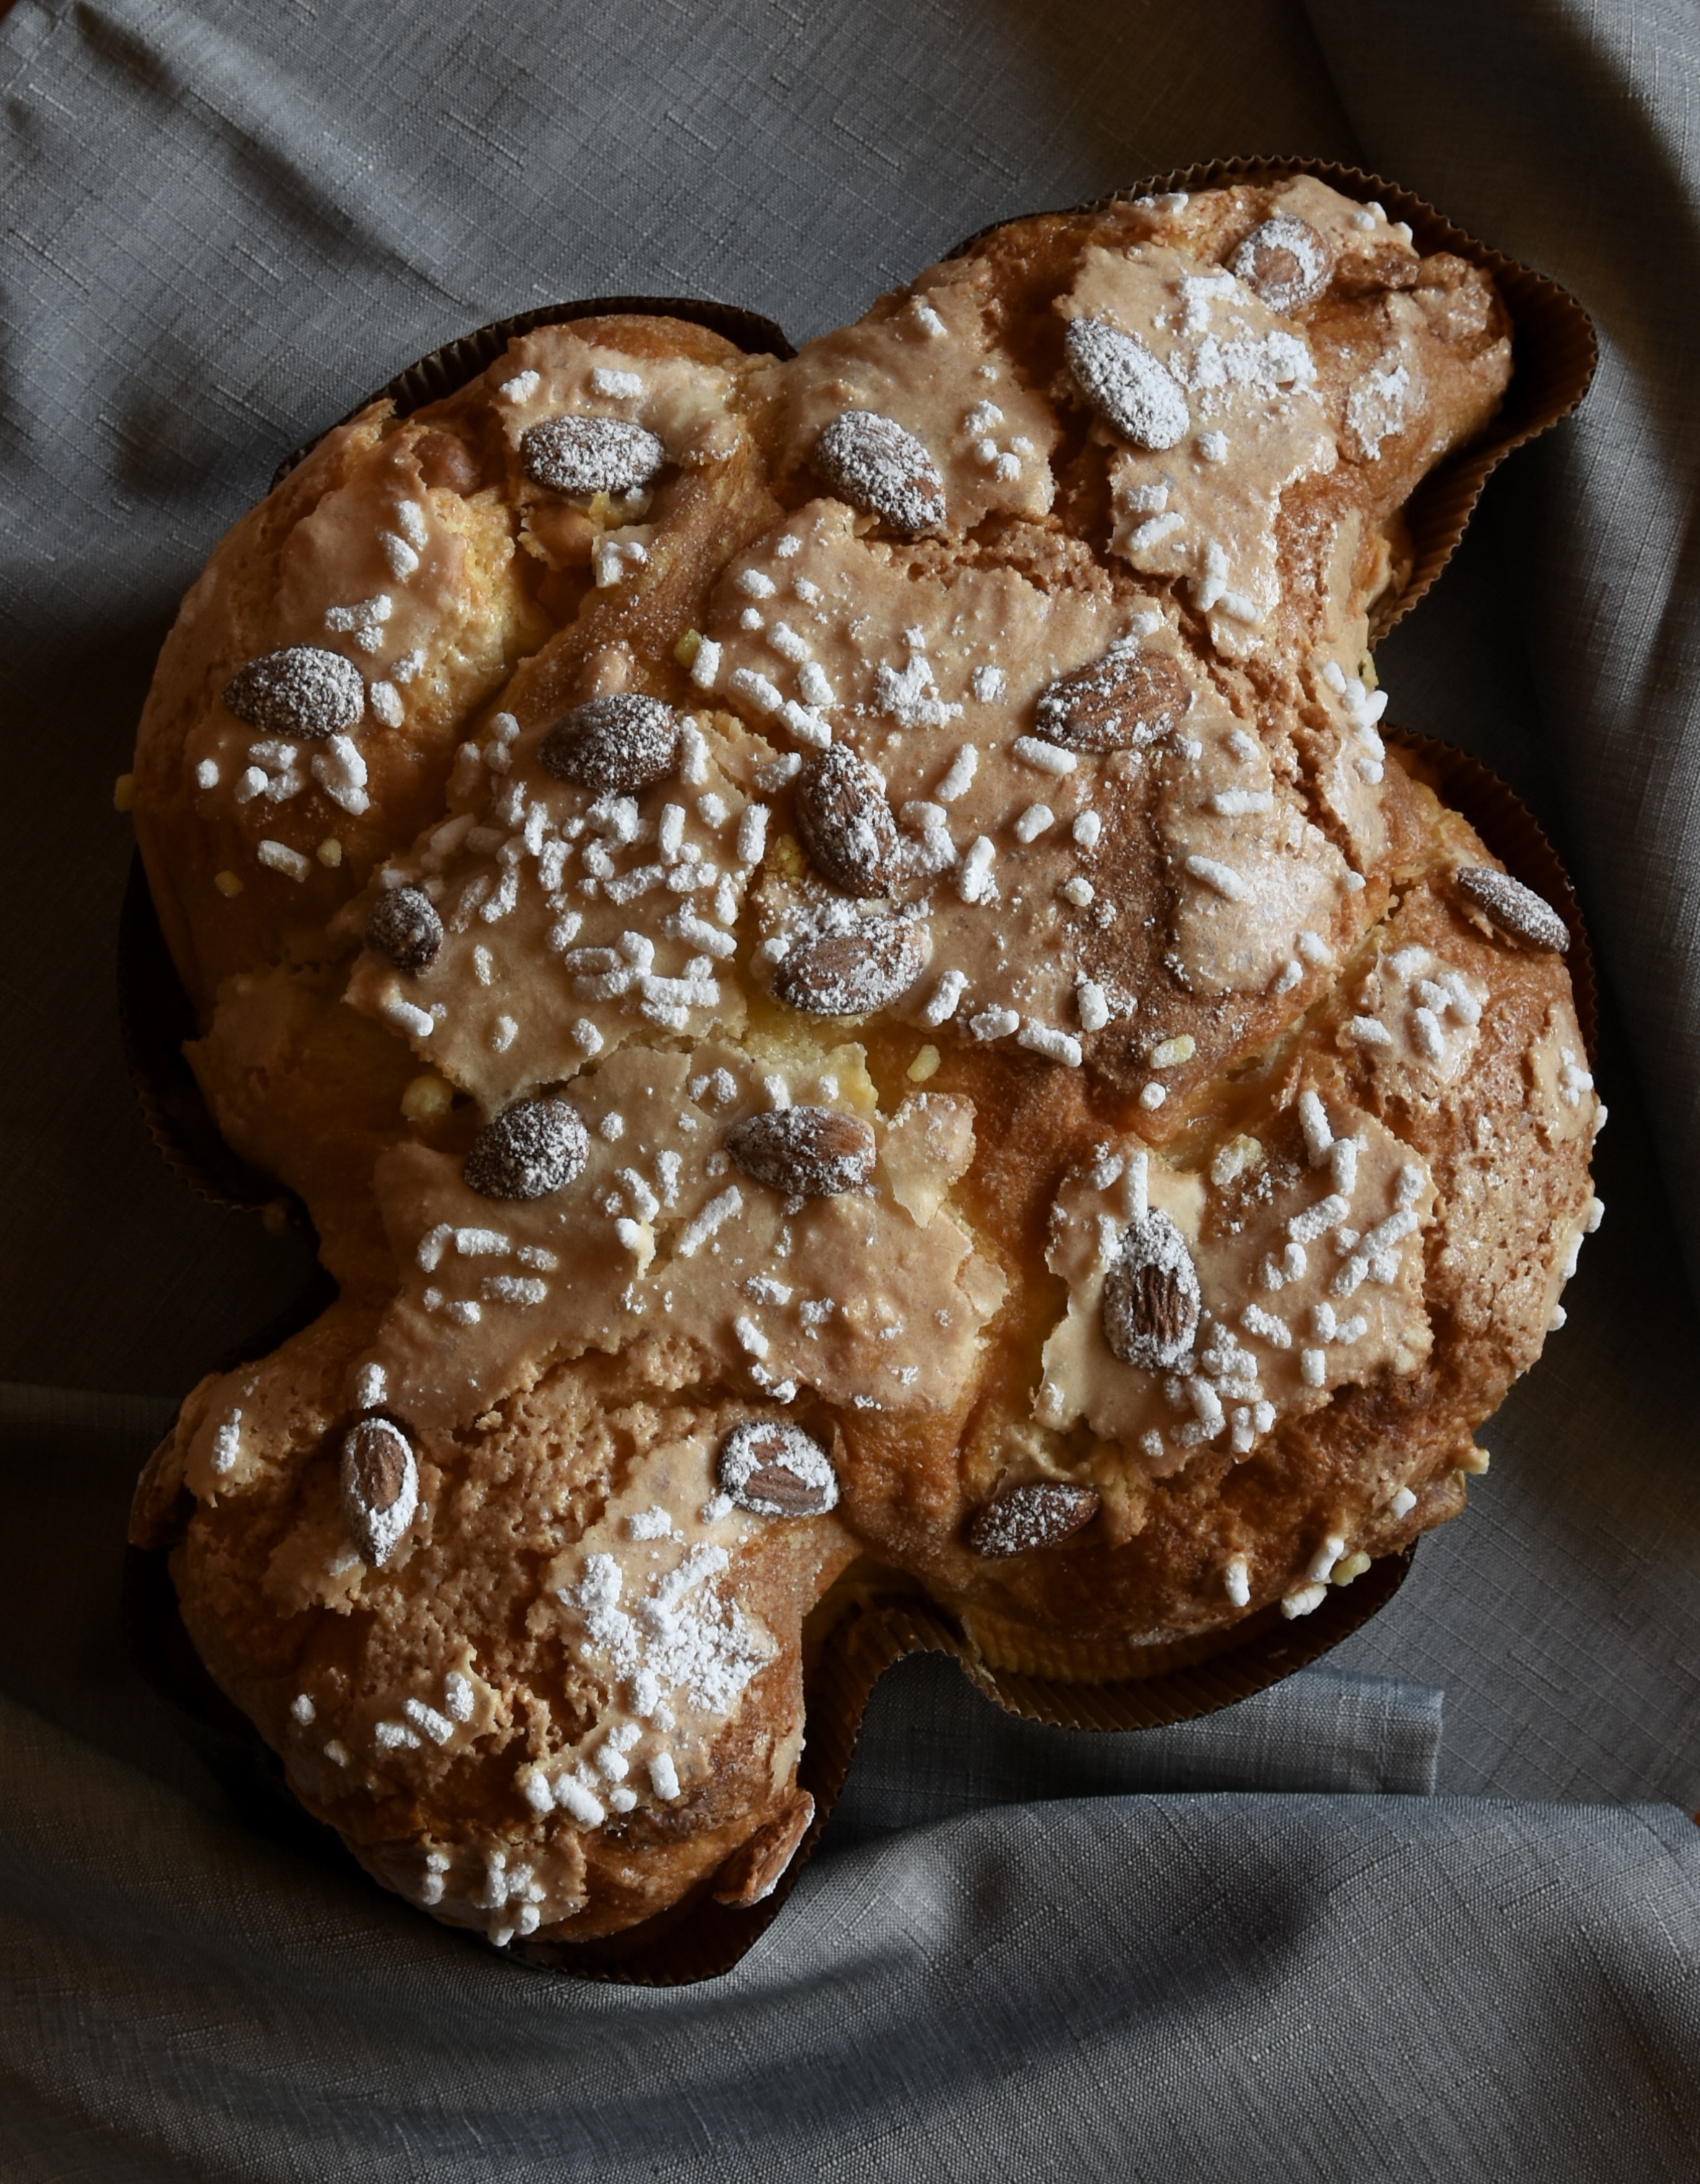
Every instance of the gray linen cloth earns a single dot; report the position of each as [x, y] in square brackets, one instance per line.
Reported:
[1251, 1946]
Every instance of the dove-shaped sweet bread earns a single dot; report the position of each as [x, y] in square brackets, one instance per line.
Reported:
[837, 954]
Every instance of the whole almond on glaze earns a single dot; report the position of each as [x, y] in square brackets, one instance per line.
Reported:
[1284, 262]
[533, 1148]
[1124, 700]
[851, 974]
[1511, 909]
[1130, 388]
[584, 456]
[613, 745]
[844, 822]
[873, 463]
[379, 1487]
[299, 690]
[404, 926]
[806, 1152]
[775, 1468]
[1150, 1304]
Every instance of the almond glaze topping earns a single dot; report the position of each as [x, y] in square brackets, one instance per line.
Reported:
[615, 745]
[774, 1468]
[301, 690]
[380, 1484]
[533, 1148]
[850, 974]
[844, 822]
[1126, 698]
[1129, 388]
[1150, 1303]
[873, 463]
[582, 456]
[1037, 1515]
[1284, 262]
[404, 926]
[1512, 909]
[806, 1152]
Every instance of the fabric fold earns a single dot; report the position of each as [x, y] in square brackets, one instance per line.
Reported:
[1180, 1986]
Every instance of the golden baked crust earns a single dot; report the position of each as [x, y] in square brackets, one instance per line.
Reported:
[836, 952]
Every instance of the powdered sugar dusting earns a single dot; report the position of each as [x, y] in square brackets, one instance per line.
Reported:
[680, 1639]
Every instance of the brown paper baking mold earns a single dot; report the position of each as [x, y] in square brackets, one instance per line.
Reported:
[867, 1626]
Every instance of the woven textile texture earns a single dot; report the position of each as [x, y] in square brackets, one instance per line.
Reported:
[1257, 1945]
